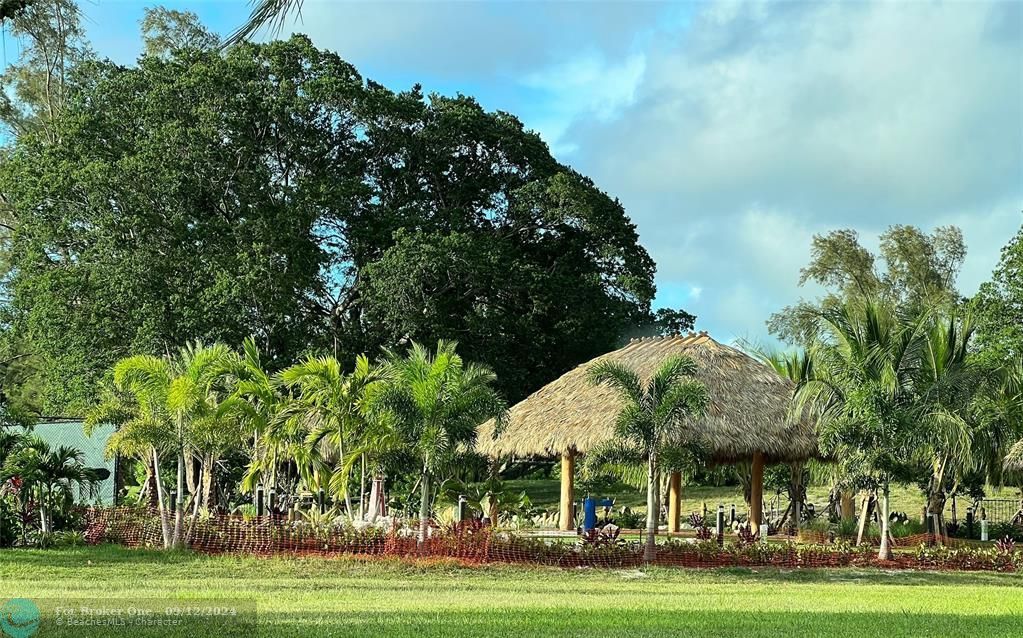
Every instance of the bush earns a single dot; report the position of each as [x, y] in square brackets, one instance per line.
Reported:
[969, 558]
[906, 528]
[1003, 530]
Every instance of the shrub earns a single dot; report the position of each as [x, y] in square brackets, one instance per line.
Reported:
[746, 536]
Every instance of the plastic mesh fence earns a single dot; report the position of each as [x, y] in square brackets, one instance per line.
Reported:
[475, 544]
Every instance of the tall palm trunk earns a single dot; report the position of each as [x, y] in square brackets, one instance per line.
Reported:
[44, 516]
[885, 552]
[362, 489]
[161, 502]
[179, 503]
[424, 505]
[936, 495]
[341, 463]
[650, 551]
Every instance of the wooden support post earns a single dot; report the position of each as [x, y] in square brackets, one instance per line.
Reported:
[756, 498]
[567, 520]
[674, 502]
[848, 505]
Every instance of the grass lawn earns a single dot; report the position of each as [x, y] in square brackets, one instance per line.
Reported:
[340, 597]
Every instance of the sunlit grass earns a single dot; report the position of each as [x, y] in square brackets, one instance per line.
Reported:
[298, 597]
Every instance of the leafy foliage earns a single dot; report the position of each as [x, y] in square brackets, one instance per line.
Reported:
[920, 273]
[998, 306]
[654, 428]
[269, 190]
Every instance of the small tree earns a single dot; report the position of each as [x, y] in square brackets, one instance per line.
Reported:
[654, 422]
[434, 403]
[339, 402]
[52, 474]
[176, 411]
[863, 393]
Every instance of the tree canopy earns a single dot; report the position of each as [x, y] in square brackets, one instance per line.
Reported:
[268, 189]
[998, 306]
[919, 272]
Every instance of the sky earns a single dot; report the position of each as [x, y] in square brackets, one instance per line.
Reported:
[731, 132]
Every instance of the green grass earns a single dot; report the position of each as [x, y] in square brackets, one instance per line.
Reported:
[546, 493]
[339, 597]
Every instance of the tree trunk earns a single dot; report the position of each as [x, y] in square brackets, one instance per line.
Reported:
[43, 511]
[885, 552]
[650, 551]
[362, 489]
[424, 506]
[208, 465]
[865, 511]
[374, 499]
[147, 492]
[847, 508]
[191, 480]
[344, 488]
[179, 504]
[161, 502]
[936, 497]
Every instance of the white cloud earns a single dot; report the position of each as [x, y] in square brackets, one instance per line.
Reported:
[734, 131]
[765, 123]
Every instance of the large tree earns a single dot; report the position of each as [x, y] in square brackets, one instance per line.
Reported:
[37, 84]
[199, 220]
[998, 306]
[919, 271]
[269, 190]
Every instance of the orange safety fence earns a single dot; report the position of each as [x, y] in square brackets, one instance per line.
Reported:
[475, 543]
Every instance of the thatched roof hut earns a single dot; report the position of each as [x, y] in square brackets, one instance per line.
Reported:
[1014, 459]
[747, 418]
[747, 414]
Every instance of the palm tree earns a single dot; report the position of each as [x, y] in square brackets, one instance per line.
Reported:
[434, 403]
[1000, 409]
[863, 392]
[277, 427]
[143, 423]
[177, 413]
[948, 383]
[339, 403]
[654, 423]
[51, 473]
[272, 12]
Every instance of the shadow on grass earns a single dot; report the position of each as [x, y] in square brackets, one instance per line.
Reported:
[867, 575]
[557, 622]
[15, 563]
[97, 555]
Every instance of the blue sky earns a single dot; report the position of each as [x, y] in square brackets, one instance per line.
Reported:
[732, 132]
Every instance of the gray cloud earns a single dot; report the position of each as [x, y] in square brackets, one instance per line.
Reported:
[734, 131]
[764, 123]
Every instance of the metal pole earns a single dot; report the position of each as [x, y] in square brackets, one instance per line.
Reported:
[462, 503]
[721, 524]
[260, 501]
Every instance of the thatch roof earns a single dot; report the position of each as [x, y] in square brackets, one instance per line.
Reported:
[1014, 459]
[748, 408]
